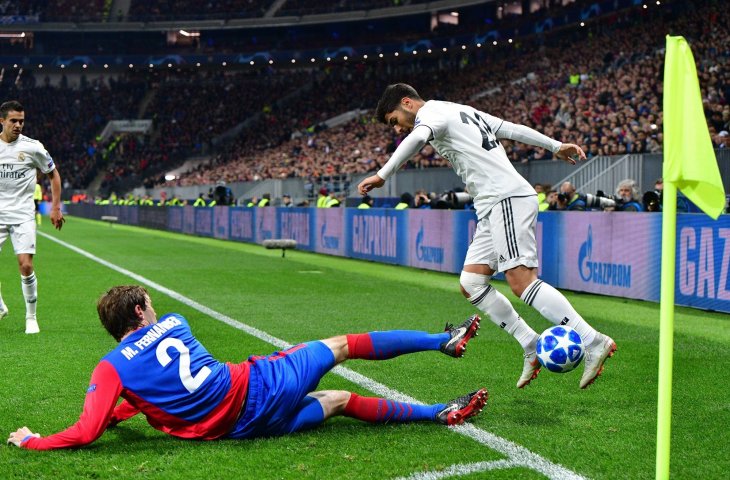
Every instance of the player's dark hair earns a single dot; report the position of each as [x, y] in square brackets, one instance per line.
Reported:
[10, 106]
[116, 309]
[391, 98]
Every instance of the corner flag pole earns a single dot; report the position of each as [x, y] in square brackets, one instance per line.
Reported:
[689, 165]
[666, 329]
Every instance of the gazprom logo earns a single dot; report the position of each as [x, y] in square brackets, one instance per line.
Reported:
[328, 242]
[601, 273]
[426, 253]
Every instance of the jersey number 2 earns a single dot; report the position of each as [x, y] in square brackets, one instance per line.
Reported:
[483, 126]
[190, 382]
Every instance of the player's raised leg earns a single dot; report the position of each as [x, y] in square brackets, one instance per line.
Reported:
[392, 343]
[482, 261]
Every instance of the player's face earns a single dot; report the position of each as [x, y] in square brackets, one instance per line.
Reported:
[402, 118]
[13, 125]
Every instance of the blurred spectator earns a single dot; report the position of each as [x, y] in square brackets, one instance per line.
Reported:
[366, 202]
[421, 199]
[286, 200]
[406, 201]
[265, 200]
[322, 198]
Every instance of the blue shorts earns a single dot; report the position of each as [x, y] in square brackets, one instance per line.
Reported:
[277, 401]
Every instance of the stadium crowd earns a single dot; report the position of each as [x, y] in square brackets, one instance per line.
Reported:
[601, 90]
[609, 101]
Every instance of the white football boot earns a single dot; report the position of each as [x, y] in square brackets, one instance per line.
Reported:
[31, 325]
[530, 369]
[602, 348]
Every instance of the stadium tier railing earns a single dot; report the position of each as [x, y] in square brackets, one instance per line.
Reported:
[608, 253]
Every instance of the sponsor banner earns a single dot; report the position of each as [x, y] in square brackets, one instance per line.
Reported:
[152, 217]
[377, 234]
[612, 254]
[175, 219]
[221, 222]
[188, 219]
[463, 227]
[431, 242]
[130, 215]
[242, 222]
[549, 248]
[266, 226]
[330, 231]
[296, 223]
[203, 221]
[616, 254]
[703, 262]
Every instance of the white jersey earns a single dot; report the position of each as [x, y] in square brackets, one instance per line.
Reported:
[18, 163]
[467, 138]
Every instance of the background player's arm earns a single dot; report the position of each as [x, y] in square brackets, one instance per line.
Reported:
[56, 216]
[564, 151]
[410, 146]
[101, 397]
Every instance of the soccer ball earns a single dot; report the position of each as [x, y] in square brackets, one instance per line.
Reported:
[560, 349]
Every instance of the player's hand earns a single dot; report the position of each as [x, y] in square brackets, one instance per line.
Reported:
[16, 437]
[570, 153]
[57, 218]
[369, 183]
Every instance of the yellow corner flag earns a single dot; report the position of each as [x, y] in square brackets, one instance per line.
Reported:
[689, 160]
[691, 166]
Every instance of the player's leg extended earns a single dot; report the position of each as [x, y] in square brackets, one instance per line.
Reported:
[380, 410]
[521, 272]
[479, 266]
[392, 343]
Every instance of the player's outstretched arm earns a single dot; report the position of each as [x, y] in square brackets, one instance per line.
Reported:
[369, 183]
[570, 152]
[17, 437]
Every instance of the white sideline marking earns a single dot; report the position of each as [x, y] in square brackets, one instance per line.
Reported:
[462, 469]
[518, 456]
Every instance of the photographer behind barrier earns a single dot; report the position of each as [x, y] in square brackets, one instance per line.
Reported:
[572, 200]
[222, 194]
[627, 196]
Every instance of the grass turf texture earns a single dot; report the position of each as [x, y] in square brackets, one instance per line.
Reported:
[606, 431]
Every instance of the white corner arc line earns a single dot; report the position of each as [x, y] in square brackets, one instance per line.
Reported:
[517, 454]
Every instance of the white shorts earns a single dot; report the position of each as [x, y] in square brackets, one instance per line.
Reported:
[505, 238]
[22, 236]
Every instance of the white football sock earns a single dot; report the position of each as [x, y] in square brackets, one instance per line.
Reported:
[502, 313]
[30, 292]
[555, 307]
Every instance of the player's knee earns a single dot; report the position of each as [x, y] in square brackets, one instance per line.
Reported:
[26, 267]
[338, 345]
[473, 284]
[333, 402]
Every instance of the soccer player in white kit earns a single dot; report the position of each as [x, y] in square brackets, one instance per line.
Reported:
[20, 156]
[506, 207]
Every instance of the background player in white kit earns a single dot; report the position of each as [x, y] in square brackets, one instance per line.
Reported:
[506, 206]
[20, 156]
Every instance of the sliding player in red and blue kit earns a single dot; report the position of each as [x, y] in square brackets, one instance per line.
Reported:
[161, 370]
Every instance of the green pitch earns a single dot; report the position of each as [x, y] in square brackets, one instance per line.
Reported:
[607, 431]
